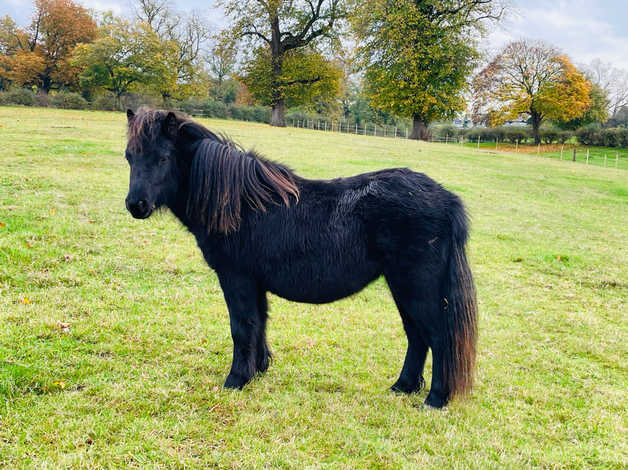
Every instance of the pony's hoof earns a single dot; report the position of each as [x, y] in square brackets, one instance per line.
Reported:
[403, 387]
[263, 363]
[236, 381]
[434, 400]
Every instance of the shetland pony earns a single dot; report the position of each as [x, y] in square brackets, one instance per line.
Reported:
[263, 228]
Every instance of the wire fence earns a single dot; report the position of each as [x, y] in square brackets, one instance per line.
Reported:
[347, 127]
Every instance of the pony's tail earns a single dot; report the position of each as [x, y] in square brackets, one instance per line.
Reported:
[460, 310]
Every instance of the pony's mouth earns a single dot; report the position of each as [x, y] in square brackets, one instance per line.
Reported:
[142, 215]
[141, 209]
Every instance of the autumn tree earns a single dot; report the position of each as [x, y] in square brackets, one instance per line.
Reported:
[282, 32]
[125, 55]
[13, 41]
[597, 112]
[530, 79]
[57, 27]
[417, 54]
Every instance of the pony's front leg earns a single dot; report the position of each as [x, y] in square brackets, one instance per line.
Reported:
[240, 295]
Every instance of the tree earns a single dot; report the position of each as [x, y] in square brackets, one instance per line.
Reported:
[124, 55]
[58, 26]
[530, 79]
[306, 76]
[183, 36]
[278, 31]
[222, 57]
[417, 54]
[597, 112]
[613, 81]
[13, 41]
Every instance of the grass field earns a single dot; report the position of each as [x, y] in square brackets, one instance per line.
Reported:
[114, 338]
[606, 157]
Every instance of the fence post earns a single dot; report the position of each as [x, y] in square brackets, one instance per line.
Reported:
[561, 151]
[365, 126]
[478, 142]
[356, 128]
[574, 154]
[587, 156]
[395, 132]
[516, 146]
[406, 132]
[446, 138]
[604, 159]
[496, 142]
[538, 149]
[616, 159]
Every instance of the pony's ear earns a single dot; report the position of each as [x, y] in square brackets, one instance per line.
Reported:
[129, 115]
[171, 125]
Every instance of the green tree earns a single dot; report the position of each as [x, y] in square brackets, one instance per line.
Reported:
[125, 55]
[417, 54]
[530, 79]
[182, 37]
[306, 77]
[287, 31]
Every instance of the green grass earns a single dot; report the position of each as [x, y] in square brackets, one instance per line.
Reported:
[135, 379]
[616, 158]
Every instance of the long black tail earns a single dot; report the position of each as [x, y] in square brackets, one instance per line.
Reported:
[460, 309]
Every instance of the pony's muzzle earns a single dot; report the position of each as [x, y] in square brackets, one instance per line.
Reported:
[140, 209]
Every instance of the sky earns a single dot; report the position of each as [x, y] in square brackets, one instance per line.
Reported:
[584, 29]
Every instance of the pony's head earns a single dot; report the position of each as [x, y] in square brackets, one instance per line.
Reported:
[152, 155]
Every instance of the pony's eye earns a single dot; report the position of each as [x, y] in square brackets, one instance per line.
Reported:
[163, 160]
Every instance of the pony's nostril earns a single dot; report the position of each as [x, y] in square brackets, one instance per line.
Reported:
[142, 205]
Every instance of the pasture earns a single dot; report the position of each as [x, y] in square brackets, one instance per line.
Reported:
[115, 337]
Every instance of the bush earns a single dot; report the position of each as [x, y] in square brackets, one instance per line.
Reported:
[18, 96]
[548, 134]
[68, 100]
[445, 131]
[135, 101]
[105, 102]
[515, 134]
[588, 135]
[42, 99]
[610, 137]
[564, 136]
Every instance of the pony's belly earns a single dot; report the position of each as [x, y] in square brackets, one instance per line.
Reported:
[322, 286]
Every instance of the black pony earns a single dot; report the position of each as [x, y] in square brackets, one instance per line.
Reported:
[264, 229]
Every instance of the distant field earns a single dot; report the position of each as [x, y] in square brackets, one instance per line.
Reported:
[115, 337]
[606, 157]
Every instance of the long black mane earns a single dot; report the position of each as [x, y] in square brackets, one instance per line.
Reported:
[222, 175]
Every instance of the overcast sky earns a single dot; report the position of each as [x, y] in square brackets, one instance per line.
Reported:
[584, 29]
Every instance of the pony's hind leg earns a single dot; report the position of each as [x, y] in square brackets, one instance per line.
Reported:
[411, 378]
[414, 305]
[263, 354]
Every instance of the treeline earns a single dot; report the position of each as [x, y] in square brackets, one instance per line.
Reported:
[401, 63]
[590, 135]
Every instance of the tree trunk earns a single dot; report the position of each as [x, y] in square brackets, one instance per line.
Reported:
[419, 129]
[277, 116]
[536, 119]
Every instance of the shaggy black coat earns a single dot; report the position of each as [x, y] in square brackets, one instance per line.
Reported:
[264, 229]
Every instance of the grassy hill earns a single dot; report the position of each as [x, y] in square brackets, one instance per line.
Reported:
[114, 338]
